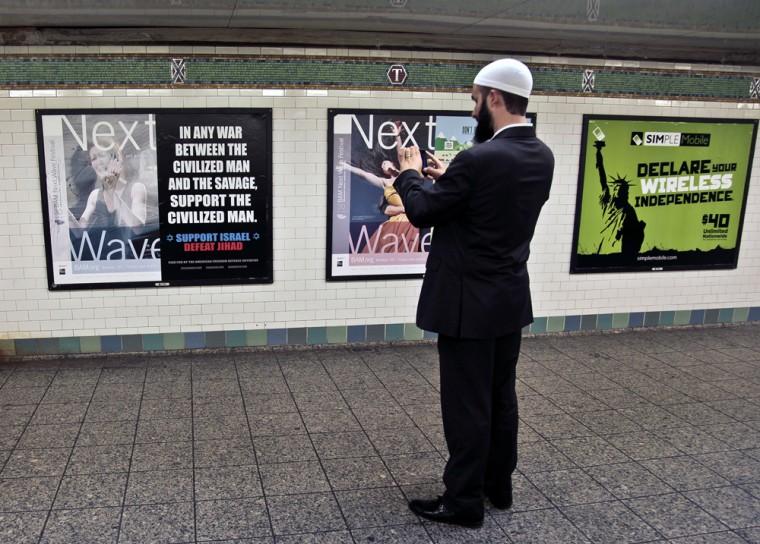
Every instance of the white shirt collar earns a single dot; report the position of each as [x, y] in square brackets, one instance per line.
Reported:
[502, 129]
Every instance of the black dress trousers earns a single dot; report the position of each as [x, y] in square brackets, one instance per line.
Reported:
[479, 408]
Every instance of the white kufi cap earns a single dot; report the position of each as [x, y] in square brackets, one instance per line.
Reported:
[507, 75]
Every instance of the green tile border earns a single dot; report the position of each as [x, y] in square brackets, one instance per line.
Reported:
[69, 345]
[316, 335]
[413, 332]
[256, 337]
[174, 341]
[620, 321]
[7, 348]
[538, 326]
[236, 339]
[132, 342]
[682, 317]
[589, 322]
[153, 342]
[23, 347]
[667, 318]
[725, 315]
[90, 344]
[216, 339]
[279, 71]
[48, 346]
[394, 331]
[651, 319]
[555, 324]
[296, 336]
[604, 322]
[337, 335]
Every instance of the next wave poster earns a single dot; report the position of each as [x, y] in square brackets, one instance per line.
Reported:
[368, 233]
[156, 197]
[660, 193]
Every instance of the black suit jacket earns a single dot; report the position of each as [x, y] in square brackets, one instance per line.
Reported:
[484, 211]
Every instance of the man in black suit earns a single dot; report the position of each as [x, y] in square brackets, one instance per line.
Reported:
[476, 293]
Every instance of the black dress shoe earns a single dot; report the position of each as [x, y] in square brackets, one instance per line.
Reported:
[501, 501]
[435, 510]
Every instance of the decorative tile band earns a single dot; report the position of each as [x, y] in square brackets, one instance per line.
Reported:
[87, 71]
[350, 334]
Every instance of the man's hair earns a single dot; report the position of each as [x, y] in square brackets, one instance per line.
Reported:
[516, 105]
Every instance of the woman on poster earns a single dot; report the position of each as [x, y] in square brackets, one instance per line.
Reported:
[396, 234]
[118, 202]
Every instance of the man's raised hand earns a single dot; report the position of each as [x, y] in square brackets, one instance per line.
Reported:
[435, 168]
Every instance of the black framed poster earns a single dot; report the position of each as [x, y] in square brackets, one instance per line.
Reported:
[657, 193]
[368, 233]
[156, 197]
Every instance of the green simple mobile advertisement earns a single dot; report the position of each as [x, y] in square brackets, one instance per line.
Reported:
[660, 193]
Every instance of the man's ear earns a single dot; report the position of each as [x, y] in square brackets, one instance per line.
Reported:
[495, 98]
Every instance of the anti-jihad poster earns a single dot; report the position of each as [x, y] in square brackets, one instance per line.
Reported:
[660, 193]
[369, 236]
[160, 197]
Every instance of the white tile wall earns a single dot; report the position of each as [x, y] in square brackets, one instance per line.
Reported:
[300, 297]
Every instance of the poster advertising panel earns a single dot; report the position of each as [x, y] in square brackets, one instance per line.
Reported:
[161, 197]
[659, 193]
[368, 234]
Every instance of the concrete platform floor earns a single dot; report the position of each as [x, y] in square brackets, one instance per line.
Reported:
[646, 436]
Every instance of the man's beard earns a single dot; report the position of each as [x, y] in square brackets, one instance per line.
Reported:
[484, 130]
